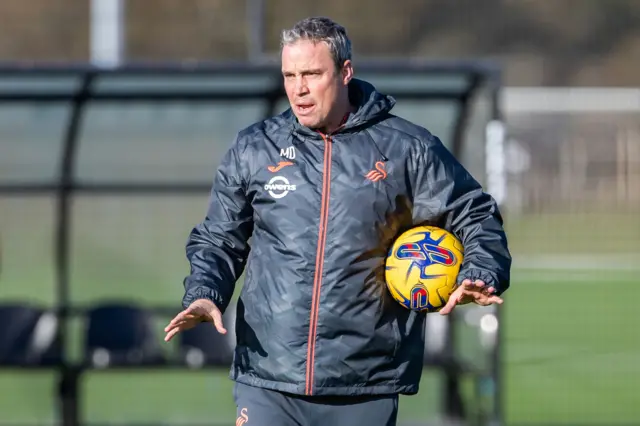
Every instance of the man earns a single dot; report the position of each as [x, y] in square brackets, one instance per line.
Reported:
[316, 345]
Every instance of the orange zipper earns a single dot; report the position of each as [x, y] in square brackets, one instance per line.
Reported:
[317, 280]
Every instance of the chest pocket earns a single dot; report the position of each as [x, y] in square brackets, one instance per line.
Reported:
[367, 189]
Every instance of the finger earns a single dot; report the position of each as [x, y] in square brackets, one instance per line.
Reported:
[173, 323]
[491, 290]
[495, 299]
[479, 283]
[448, 308]
[466, 296]
[217, 321]
[450, 305]
[171, 334]
[491, 298]
[488, 300]
[182, 316]
[179, 324]
[469, 285]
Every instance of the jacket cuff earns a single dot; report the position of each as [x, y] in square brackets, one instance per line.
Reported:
[204, 292]
[489, 278]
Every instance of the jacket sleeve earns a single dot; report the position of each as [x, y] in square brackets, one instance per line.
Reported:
[448, 196]
[218, 247]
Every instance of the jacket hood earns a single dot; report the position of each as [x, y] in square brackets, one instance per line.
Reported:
[371, 106]
[370, 103]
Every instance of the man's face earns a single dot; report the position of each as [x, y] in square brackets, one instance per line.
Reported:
[314, 86]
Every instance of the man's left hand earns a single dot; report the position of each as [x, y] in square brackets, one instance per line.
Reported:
[471, 291]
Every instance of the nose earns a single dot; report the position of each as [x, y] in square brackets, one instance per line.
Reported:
[301, 86]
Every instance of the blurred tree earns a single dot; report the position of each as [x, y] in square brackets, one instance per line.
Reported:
[44, 30]
[185, 30]
[559, 42]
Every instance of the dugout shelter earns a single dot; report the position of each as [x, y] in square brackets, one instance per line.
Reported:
[104, 172]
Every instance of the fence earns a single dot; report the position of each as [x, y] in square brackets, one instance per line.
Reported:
[573, 166]
[572, 220]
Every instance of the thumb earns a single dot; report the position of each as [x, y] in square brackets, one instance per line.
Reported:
[217, 321]
[451, 303]
[448, 308]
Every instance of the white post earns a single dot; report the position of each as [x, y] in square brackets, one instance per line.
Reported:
[107, 32]
[495, 160]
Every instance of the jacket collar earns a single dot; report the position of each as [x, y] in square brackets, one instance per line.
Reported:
[370, 104]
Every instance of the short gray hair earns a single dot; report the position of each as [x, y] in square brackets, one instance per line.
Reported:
[318, 29]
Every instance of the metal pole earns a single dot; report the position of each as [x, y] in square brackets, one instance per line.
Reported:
[497, 414]
[68, 396]
[107, 33]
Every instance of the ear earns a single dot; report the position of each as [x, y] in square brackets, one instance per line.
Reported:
[347, 72]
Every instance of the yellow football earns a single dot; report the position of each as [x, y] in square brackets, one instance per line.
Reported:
[422, 267]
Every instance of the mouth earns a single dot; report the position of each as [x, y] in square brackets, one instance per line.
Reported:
[304, 108]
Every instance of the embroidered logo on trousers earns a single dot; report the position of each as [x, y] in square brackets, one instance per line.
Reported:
[243, 418]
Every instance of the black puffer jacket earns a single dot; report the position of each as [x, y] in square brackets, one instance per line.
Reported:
[322, 210]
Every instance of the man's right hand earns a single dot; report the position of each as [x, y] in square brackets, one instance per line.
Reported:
[201, 310]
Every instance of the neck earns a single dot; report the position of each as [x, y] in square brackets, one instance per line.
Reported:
[338, 117]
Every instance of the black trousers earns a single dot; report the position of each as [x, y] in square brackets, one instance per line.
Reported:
[263, 407]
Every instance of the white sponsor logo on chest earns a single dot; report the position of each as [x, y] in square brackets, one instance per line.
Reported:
[279, 186]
